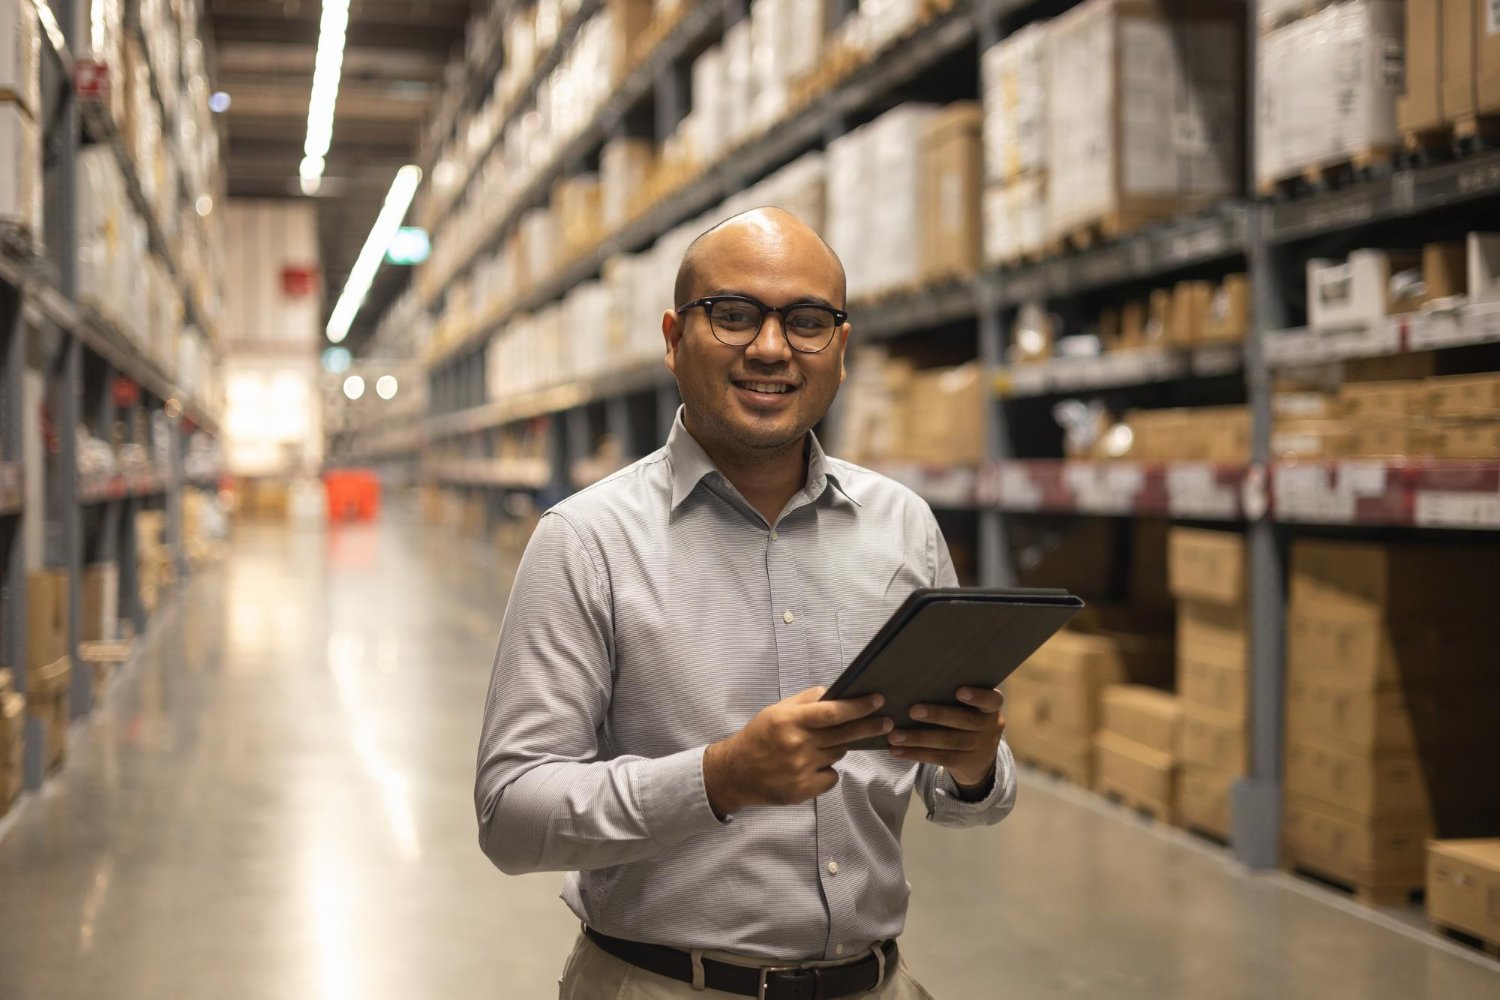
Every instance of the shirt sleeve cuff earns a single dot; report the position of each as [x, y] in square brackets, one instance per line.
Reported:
[948, 800]
[674, 799]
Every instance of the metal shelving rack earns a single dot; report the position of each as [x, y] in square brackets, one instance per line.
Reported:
[89, 520]
[1267, 499]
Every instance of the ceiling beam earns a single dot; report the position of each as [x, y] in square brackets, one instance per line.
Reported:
[261, 59]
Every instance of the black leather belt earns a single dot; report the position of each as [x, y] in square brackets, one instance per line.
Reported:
[765, 983]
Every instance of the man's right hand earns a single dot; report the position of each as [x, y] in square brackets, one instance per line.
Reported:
[785, 755]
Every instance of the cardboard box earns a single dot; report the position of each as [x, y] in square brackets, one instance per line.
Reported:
[46, 618]
[950, 187]
[1014, 77]
[1357, 648]
[1143, 715]
[1138, 774]
[1203, 799]
[1206, 623]
[1463, 886]
[1312, 439]
[1405, 579]
[1457, 58]
[1227, 319]
[1143, 106]
[1420, 109]
[1190, 304]
[1384, 786]
[1464, 397]
[1214, 739]
[1391, 441]
[1484, 267]
[52, 711]
[943, 415]
[1358, 292]
[1069, 754]
[101, 602]
[20, 56]
[20, 170]
[1467, 441]
[1383, 721]
[1214, 677]
[1070, 672]
[1206, 566]
[1444, 270]
[1352, 849]
[12, 744]
[1386, 402]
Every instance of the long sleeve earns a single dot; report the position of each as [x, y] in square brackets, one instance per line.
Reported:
[939, 791]
[544, 800]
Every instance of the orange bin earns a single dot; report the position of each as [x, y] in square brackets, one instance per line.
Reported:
[353, 495]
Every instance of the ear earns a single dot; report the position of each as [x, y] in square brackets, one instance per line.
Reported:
[843, 336]
[671, 332]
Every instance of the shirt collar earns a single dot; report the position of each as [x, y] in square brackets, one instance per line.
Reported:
[690, 464]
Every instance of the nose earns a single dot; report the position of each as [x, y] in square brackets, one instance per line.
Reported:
[771, 344]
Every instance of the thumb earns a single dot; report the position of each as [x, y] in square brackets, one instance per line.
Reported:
[807, 697]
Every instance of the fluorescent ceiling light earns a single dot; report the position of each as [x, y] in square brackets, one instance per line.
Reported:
[403, 189]
[354, 387]
[386, 386]
[328, 71]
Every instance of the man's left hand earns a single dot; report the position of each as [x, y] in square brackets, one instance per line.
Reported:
[967, 741]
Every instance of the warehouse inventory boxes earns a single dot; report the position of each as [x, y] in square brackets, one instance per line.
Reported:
[12, 730]
[1145, 105]
[950, 185]
[1014, 77]
[1463, 887]
[1137, 748]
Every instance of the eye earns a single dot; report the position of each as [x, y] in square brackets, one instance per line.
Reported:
[810, 320]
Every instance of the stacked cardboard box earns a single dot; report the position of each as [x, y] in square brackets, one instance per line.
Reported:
[12, 728]
[1326, 92]
[1143, 112]
[933, 416]
[1136, 748]
[156, 569]
[1054, 703]
[949, 194]
[1199, 434]
[20, 104]
[47, 701]
[1389, 716]
[1452, 67]
[1014, 77]
[49, 669]
[1463, 887]
[1206, 573]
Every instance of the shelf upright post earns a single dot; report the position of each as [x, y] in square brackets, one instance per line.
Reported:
[1255, 806]
[13, 639]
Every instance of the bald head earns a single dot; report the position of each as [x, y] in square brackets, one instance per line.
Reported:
[760, 231]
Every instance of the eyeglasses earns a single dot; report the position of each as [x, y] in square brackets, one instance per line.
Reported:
[736, 321]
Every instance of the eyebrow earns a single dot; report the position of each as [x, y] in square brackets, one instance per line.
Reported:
[805, 300]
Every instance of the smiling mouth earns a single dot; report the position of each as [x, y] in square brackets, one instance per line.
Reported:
[766, 387]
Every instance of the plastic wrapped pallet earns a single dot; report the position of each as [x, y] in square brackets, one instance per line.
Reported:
[20, 170]
[709, 112]
[1015, 219]
[1144, 111]
[768, 28]
[738, 84]
[20, 55]
[1014, 77]
[1327, 88]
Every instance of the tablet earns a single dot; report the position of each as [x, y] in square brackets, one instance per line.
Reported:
[940, 640]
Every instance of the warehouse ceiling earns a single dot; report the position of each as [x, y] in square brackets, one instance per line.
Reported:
[393, 69]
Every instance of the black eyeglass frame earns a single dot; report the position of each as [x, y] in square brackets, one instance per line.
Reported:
[840, 317]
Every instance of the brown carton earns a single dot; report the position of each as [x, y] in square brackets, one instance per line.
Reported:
[1459, 96]
[1203, 796]
[1190, 302]
[1214, 677]
[1206, 565]
[1376, 440]
[1378, 787]
[46, 617]
[1420, 108]
[952, 177]
[1357, 648]
[1352, 849]
[1214, 739]
[1222, 626]
[1143, 715]
[1445, 270]
[1463, 886]
[1464, 397]
[1399, 578]
[1227, 318]
[1387, 720]
[1137, 774]
[1387, 401]
[1479, 441]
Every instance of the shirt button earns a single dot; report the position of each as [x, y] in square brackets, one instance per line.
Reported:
[775, 535]
[788, 617]
[838, 949]
[833, 867]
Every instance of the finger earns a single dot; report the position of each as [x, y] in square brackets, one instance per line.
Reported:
[807, 697]
[925, 755]
[938, 739]
[951, 717]
[852, 732]
[823, 714]
[984, 699]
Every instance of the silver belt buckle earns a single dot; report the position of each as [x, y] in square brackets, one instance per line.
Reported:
[765, 971]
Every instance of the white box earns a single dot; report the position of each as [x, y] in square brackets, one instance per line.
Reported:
[20, 55]
[1484, 267]
[1327, 87]
[1357, 292]
[1015, 104]
[739, 86]
[709, 114]
[20, 170]
[1015, 219]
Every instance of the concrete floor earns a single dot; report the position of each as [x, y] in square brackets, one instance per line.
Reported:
[275, 803]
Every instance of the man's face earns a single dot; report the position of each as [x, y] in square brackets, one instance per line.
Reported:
[722, 386]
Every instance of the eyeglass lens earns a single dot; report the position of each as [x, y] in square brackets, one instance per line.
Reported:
[738, 322]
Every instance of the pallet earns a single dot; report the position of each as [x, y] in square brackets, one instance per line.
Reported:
[1389, 894]
[1151, 809]
[1490, 948]
[1330, 174]
[1212, 836]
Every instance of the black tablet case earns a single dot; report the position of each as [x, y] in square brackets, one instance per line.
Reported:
[941, 640]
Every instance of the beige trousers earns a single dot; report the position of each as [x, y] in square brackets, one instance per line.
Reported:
[594, 974]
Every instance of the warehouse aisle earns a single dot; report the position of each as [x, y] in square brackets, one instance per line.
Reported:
[276, 803]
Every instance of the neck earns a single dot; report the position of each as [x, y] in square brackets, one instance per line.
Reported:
[766, 478]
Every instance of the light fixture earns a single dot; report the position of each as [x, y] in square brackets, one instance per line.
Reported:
[410, 246]
[397, 201]
[327, 72]
[219, 102]
[336, 360]
[385, 387]
[354, 387]
[204, 205]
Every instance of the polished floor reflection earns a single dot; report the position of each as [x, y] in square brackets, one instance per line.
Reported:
[275, 803]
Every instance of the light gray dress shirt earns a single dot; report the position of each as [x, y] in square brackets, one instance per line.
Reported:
[655, 613]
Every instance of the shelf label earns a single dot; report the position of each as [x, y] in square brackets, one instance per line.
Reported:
[1452, 509]
[1437, 329]
[1016, 490]
[1195, 490]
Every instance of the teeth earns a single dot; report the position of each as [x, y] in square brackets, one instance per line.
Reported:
[767, 387]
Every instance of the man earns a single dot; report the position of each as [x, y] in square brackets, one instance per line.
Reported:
[653, 724]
